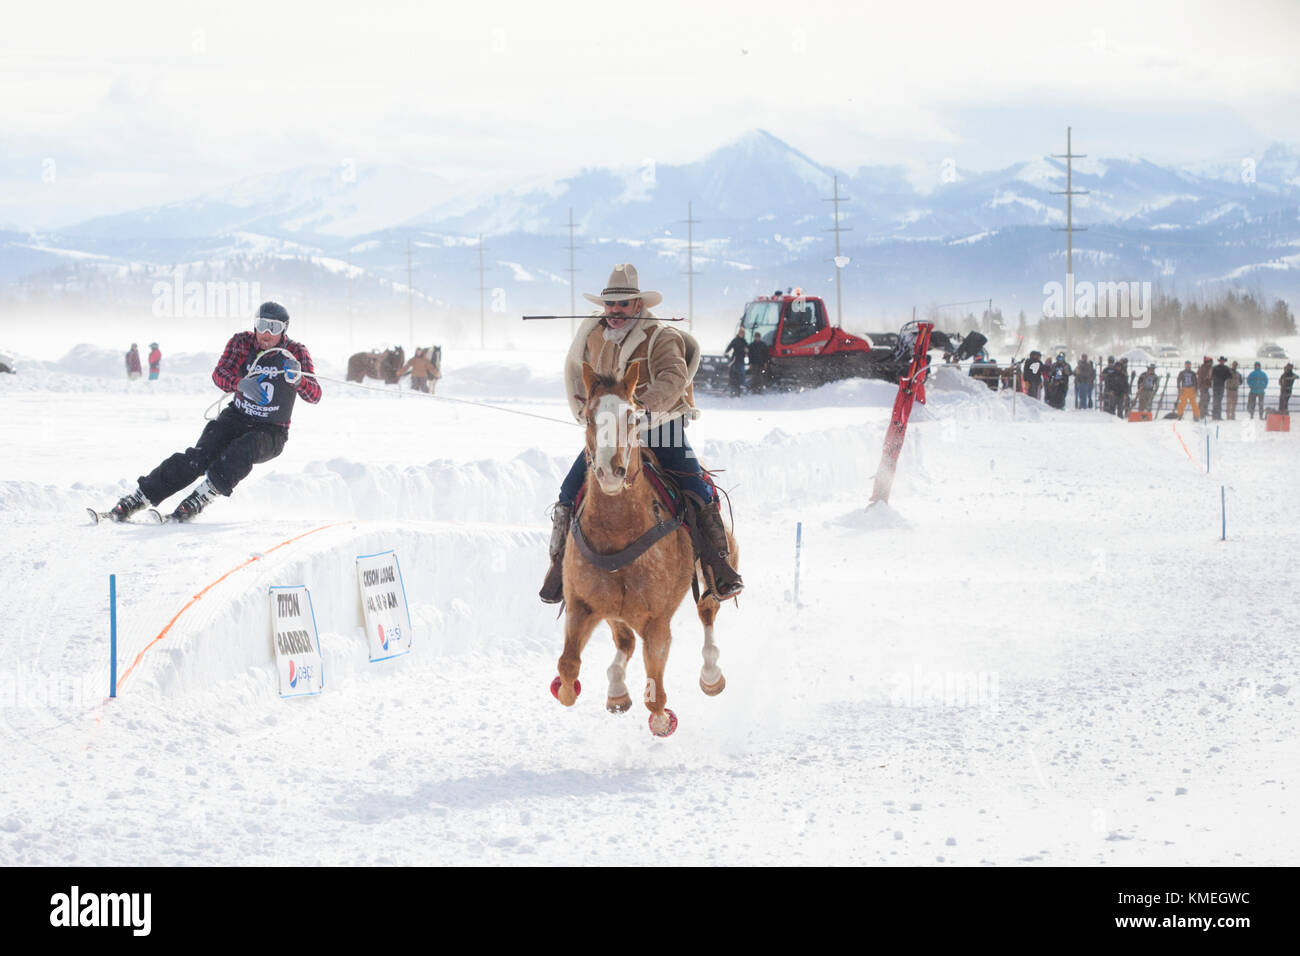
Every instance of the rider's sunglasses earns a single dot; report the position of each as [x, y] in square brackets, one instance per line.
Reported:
[274, 326]
[619, 304]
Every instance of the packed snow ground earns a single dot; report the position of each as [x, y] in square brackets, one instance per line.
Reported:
[1041, 652]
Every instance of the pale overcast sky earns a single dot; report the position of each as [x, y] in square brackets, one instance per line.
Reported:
[145, 102]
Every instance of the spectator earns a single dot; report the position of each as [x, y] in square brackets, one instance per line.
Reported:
[1058, 382]
[1219, 379]
[423, 370]
[1147, 383]
[1123, 383]
[1085, 375]
[1256, 381]
[1234, 383]
[758, 357]
[1187, 392]
[133, 363]
[736, 351]
[1203, 377]
[155, 361]
[1034, 374]
[1286, 380]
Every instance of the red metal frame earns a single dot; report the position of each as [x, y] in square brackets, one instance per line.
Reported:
[911, 388]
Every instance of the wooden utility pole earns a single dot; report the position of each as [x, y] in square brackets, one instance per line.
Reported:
[690, 221]
[573, 282]
[838, 260]
[1069, 193]
[410, 296]
[482, 297]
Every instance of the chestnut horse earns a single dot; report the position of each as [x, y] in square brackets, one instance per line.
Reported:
[621, 514]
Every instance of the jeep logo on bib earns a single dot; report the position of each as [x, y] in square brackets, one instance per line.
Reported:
[278, 393]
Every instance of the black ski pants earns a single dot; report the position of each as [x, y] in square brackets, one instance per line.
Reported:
[227, 451]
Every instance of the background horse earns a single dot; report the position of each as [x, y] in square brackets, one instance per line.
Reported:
[622, 513]
[383, 365]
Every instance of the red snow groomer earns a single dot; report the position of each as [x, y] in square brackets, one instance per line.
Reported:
[804, 349]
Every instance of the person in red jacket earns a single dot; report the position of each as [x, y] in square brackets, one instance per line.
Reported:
[266, 370]
[133, 363]
[155, 361]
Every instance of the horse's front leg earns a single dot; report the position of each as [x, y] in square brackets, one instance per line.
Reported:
[618, 700]
[579, 622]
[656, 640]
[711, 680]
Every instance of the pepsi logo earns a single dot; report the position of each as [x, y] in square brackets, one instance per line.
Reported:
[293, 674]
[383, 638]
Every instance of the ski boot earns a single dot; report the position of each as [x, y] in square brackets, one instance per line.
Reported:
[552, 591]
[128, 505]
[710, 540]
[194, 502]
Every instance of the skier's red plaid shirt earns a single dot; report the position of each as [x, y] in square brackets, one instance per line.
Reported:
[234, 363]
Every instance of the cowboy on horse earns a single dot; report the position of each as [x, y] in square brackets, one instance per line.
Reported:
[624, 336]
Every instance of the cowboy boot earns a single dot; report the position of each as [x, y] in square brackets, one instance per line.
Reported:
[552, 591]
[710, 540]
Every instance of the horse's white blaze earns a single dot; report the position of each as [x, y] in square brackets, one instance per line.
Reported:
[617, 674]
[710, 672]
[610, 432]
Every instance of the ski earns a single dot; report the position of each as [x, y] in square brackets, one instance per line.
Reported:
[97, 516]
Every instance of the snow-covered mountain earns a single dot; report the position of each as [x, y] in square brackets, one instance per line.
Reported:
[916, 235]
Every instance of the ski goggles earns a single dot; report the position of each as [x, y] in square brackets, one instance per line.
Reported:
[274, 326]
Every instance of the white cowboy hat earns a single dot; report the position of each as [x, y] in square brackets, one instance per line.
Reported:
[622, 286]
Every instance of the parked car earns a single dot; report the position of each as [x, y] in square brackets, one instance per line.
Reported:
[1270, 350]
[1167, 351]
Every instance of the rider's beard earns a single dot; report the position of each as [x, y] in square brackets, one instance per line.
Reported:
[617, 335]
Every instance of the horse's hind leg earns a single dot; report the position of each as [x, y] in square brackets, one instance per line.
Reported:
[656, 640]
[711, 680]
[579, 622]
[618, 700]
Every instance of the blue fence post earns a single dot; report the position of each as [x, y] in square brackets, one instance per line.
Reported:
[112, 635]
[1207, 454]
[1223, 510]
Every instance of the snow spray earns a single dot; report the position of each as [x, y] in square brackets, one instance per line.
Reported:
[112, 635]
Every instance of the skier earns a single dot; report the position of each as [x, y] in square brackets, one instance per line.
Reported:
[736, 351]
[1219, 380]
[1286, 380]
[133, 363]
[251, 429]
[1186, 383]
[155, 361]
[1231, 389]
[626, 333]
[1147, 383]
[1256, 381]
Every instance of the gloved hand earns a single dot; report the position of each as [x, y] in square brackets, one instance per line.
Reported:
[251, 389]
[292, 370]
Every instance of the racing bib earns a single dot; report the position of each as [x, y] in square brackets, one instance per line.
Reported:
[279, 395]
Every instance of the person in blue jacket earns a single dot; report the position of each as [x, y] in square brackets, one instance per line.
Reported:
[1256, 381]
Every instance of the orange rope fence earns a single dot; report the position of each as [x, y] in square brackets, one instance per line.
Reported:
[192, 601]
